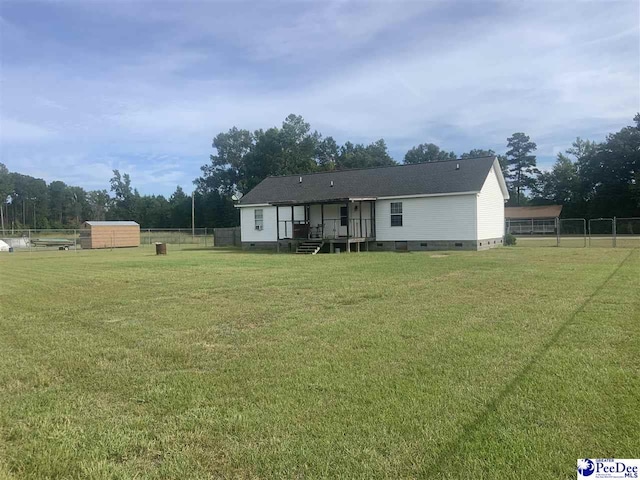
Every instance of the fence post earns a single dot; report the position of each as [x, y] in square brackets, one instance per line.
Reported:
[29, 240]
[584, 226]
[557, 231]
[615, 232]
[149, 235]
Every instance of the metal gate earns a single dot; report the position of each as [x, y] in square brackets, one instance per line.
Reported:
[572, 232]
[627, 232]
[602, 232]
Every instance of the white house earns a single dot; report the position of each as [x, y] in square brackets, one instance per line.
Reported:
[457, 204]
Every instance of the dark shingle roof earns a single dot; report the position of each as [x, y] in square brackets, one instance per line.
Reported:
[417, 179]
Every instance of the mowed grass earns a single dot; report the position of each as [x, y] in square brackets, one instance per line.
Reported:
[509, 363]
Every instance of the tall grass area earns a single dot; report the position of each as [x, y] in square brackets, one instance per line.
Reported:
[508, 363]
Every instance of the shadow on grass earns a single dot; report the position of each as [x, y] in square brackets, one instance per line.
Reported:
[450, 449]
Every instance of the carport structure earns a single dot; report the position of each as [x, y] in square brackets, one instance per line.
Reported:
[536, 220]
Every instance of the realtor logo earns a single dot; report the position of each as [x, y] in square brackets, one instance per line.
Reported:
[585, 467]
[609, 468]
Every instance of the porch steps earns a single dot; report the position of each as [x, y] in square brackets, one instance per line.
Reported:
[309, 247]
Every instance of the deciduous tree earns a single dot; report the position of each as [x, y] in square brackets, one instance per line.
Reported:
[427, 152]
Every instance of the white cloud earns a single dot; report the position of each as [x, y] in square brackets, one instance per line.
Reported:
[15, 131]
[410, 72]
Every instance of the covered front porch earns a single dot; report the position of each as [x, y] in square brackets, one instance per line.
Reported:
[341, 223]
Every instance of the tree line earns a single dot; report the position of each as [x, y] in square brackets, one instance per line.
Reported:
[32, 203]
[590, 179]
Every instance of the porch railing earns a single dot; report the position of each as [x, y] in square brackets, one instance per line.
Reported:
[331, 228]
[293, 229]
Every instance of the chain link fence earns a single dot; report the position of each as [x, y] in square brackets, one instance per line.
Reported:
[626, 232]
[42, 240]
[572, 232]
[177, 238]
[69, 240]
[601, 232]
[580, 232]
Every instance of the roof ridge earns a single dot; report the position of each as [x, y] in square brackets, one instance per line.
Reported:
[381, 167]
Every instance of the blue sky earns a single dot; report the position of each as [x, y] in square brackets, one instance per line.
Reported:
[89, 86]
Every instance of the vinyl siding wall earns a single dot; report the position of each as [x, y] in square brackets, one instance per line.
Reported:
[269, 232]
[248, 225]
[450, 217]
[490, 208]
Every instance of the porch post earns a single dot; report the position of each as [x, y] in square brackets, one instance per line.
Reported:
[277, 229]
[292, 214]
[360, 208]
[348, 248]
[306, 221]
[373, 218]
[322, 220]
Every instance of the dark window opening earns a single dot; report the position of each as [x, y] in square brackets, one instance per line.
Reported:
[458, 244]
[343, 216]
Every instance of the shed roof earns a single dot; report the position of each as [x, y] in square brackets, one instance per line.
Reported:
[542, 211]
[401, 180]
[126, 223]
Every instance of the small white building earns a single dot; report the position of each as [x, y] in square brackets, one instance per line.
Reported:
[457, 204]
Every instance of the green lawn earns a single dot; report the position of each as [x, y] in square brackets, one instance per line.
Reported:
[510, 363]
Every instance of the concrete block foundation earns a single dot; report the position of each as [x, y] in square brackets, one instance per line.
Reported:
[289, 246]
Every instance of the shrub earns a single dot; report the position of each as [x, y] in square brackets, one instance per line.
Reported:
[509, 239]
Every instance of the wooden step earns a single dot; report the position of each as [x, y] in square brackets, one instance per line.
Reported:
[310, 247]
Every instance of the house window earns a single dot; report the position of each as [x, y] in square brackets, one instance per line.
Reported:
[258, 218]
[343, 216]
[396, 214]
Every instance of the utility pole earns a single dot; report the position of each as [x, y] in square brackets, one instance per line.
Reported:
[193, 214]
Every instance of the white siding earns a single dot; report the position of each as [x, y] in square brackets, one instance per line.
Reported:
[490, 208]
[248, 226]
[429, 218]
